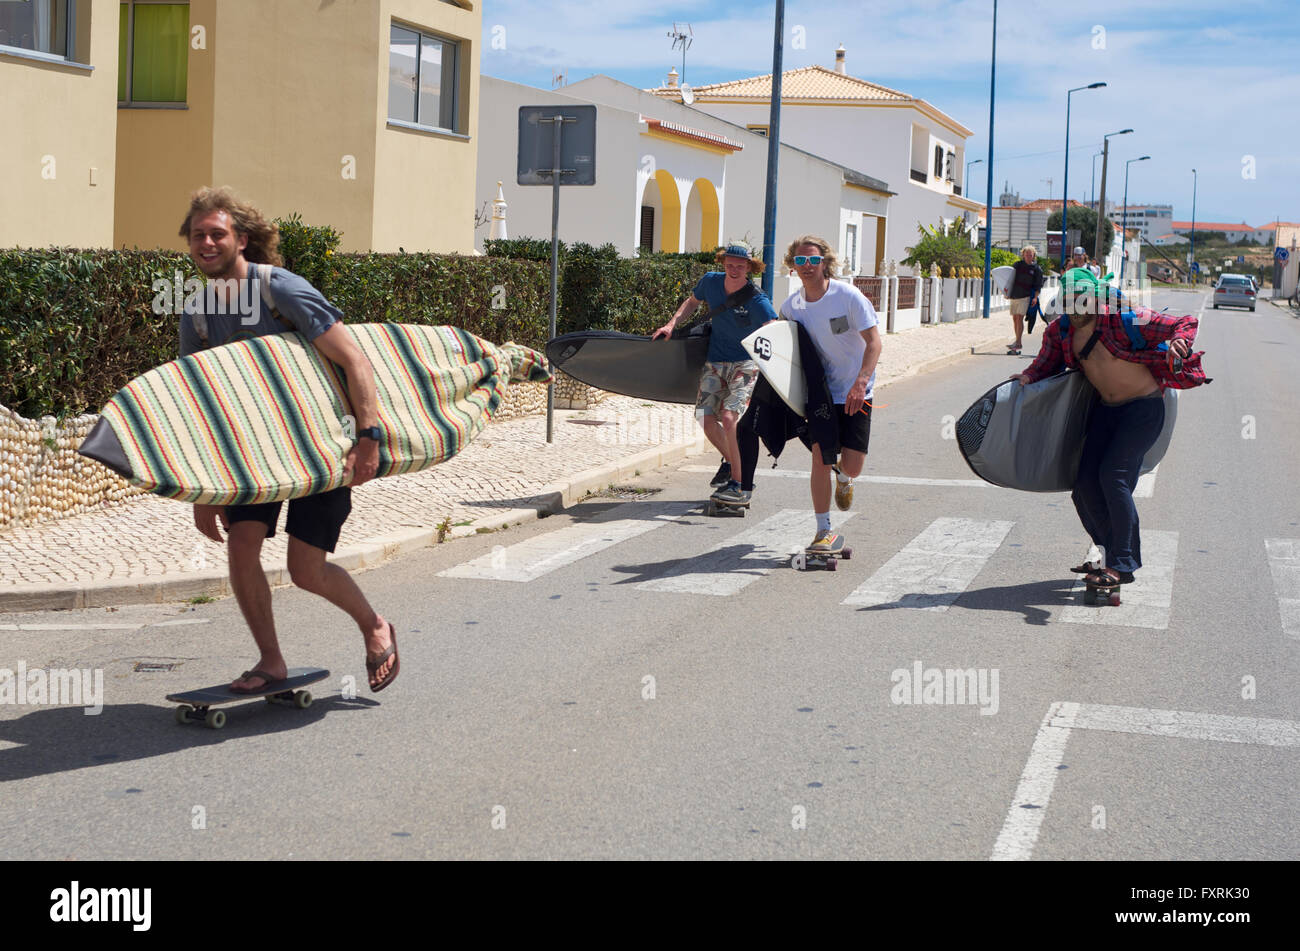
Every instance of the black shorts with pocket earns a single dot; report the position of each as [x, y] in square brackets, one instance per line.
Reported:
[855, 431]
[314, 519]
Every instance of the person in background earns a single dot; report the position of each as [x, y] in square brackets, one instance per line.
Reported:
[1025, 285]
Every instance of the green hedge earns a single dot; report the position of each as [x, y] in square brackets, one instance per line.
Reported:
[76, 326]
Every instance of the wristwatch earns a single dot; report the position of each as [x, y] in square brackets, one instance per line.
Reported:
[371, 433]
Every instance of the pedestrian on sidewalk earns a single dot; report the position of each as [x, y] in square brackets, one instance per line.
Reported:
[1138, 357]
[1025, 285]
[737, 307]
[226, 238]
[842, 324]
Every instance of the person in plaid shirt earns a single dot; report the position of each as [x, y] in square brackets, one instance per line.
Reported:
[1130, 380]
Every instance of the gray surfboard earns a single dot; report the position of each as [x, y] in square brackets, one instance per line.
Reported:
[667, 371]
[1031, 437]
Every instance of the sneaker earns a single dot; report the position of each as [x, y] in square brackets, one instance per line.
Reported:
[723, 475]
[843, 491]
[822, 542]
[732, 494]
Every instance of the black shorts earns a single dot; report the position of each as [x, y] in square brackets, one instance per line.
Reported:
[315, 519]
[855, 431]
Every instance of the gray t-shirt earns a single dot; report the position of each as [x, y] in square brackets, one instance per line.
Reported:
[247, 316]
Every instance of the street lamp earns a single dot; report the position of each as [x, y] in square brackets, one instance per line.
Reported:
[1093, 193]
[1192, 252]
[1124, 227]
[988, 198]
[1065, 189]
[965, 182]
[1101, 203]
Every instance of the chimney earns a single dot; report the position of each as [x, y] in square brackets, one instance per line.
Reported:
[839, 60]
[672, 78]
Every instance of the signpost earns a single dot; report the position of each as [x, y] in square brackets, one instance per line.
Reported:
[548, 155]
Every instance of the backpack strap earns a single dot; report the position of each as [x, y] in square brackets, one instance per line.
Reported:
[264, 284]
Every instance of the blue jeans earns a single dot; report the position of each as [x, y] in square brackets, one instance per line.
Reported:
[1118, 437]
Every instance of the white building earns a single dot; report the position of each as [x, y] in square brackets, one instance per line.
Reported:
[920, 150]
[672, 178]
[1168, 240]
[1151, 221]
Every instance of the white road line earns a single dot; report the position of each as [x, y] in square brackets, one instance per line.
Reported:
[737, 561]
[1146, 486]
[873, 479]
[545, 553]
[99, 627]
[935, 567]
[1147, 601]
[1029, 803]
[1284, 564]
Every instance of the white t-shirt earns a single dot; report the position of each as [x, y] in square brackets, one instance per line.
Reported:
[835, 323]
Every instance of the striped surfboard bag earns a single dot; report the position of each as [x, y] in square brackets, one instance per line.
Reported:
[268, 419]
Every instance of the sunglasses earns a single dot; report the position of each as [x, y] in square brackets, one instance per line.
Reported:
[801, 259]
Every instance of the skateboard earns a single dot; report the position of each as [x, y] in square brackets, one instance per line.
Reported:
[1101, 595]
[714, 507]
[808, 558]
[196, 704]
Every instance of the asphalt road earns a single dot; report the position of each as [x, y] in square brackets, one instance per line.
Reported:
[632, 679]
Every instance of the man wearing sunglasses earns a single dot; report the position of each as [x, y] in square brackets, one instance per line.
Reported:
[842, 324]
[737, 308]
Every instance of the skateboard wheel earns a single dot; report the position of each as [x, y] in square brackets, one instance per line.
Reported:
[182, 715]
[302, 699]
[215, 719]
[830, 564]
[847, 554]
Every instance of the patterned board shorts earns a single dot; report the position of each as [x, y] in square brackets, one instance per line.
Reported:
[726, 386]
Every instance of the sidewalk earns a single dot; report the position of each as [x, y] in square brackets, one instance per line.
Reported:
[147, 550]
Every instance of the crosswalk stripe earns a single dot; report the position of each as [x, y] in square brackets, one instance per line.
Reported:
[1146, 602]
[544, 553]
[935, 567]
[1146, 485]
[1284, 565]
[739, 560]
[865, 479]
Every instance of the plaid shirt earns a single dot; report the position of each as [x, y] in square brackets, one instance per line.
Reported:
[1156, 328]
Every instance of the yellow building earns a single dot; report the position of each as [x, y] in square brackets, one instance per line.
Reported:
[360, 115]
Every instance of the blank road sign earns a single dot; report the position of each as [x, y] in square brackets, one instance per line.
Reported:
[537, 145]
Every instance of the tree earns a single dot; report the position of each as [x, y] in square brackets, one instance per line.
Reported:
[1085, 220]
[947, 246]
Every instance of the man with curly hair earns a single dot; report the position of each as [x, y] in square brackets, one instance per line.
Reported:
[227, 237]
[842, 324]
[737, 308]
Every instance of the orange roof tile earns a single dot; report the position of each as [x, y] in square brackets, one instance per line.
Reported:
[697, 135]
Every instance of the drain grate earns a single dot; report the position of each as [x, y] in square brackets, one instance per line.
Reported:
[152, 667]
[625, 492]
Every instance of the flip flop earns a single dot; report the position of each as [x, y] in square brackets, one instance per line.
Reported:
[256, 673]
[373, 665]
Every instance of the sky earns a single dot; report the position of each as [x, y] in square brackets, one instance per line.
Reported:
[1204, 84]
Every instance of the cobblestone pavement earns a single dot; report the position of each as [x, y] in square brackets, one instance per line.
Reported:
[504, 475]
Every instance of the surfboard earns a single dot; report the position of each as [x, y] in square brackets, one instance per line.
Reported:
[269, 419]
[1002, 277]
[667, 371]
[1030, 437]
[775, 347]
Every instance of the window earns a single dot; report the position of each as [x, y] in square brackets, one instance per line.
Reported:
[421, 79]
[938, 161]
[851, 248]
[153, 53]
[38, 26]
[759, 129]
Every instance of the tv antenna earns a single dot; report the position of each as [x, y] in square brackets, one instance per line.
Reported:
[684, 40]
[559, 79]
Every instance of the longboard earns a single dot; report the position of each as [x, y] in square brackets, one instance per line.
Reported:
[815, 558]
[1031, 437]
[667, 371]
[715, 507]
[196, 704]
[268, 418]
[775, 347]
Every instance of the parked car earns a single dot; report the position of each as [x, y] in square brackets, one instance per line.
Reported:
[1234, 290]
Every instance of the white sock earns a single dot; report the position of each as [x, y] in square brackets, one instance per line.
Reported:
[823, 521]
[842, 479]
